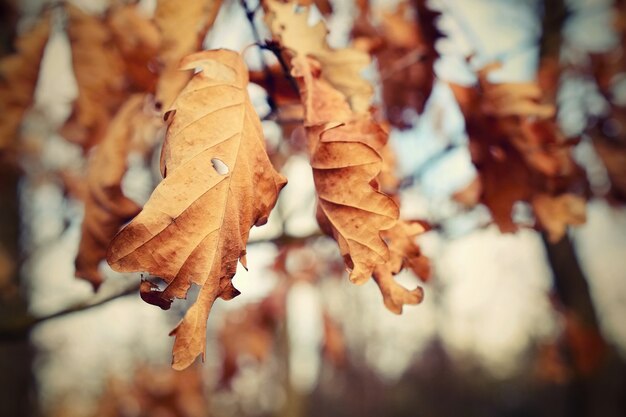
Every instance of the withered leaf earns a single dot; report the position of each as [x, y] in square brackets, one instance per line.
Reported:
[345, 161]
[138, 40]
[106, 207]
[404, 252]
[515, 144]
[183, 25]
[403, 43]
[341, 67]
[218, 183]
[100, 75]
[18, 78]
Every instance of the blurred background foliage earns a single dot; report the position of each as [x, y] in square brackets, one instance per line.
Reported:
[512, 324]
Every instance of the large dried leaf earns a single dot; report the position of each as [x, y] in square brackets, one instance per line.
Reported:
[218, 183]
[106, 207]
[18, 78]
[345, 161]
[183, 25]
[100, 75]
[341, 67]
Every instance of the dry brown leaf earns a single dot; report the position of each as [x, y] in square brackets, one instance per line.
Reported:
[404, 252]
[504, 177]
[183, 25]
[218, 183]
[345, 161]
[106, 207]
[18, 78]
[516, 145]
[403, 43]
[138, 40]
[341, 67]
[556, 213]
[100, 75]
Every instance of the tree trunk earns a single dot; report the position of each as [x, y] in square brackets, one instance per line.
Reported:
[17, 396]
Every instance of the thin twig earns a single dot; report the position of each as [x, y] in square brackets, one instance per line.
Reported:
[21, 327]
[276, 49]
[269, 78]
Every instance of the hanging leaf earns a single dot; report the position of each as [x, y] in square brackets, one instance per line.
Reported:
[345, 162]
[100, 75]
[403, 43]
[517, 147]
[218, 183]
[106, 207]
[341, 67]
[183, 25]
[138, 40]
[18, 78]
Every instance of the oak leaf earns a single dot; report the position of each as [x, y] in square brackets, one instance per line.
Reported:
[183, 25]
[341, 67]
[345, 161]
[18, 78]
[106, 207]
[138, 40]
[516, 145]
[100, 75]
[218, 183]
[403, 43]
[404, 252]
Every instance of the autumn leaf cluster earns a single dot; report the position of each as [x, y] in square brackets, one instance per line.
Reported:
[143, 80]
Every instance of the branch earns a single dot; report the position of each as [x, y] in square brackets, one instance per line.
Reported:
[286, 239]
[20, 327]
[275, 48]
[250, 13]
